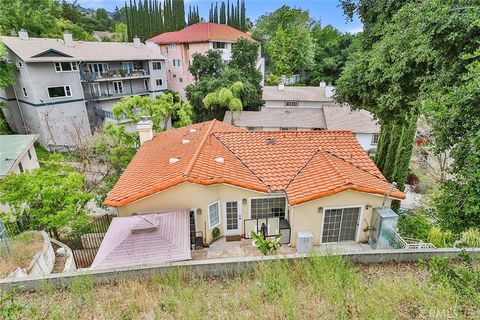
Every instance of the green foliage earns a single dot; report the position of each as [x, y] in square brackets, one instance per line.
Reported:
[10, 308]
[440, 238]
[50, 196]
[414, 225]
[211, 74]
[159, 109]
[266, 246]
[464, 277]
[470, 238]
[234, 15]
[7, 69]
[331, 51]
[228, 98]
[215, 233]
[272, 80]
[82, 288]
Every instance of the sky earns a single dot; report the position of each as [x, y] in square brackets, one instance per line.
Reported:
[327, 11]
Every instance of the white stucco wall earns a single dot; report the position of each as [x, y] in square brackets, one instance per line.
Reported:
[365, 140]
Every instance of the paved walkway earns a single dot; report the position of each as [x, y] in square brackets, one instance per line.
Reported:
[244, 248]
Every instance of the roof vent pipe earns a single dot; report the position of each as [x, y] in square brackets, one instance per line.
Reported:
[22, 34]
[323, 84]
[173, 160]
[136, 41]
[145, 129]
[220, 160]
[394, 184]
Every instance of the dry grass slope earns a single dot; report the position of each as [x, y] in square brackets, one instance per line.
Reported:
[22, 247]
[316, 288]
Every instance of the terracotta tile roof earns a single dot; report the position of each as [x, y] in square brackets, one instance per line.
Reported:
[304, 164]
[201, 32]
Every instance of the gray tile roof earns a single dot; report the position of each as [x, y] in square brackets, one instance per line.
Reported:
[344, 118]
[80, 50]
[12, 147]
[279, 117]
[295, 94]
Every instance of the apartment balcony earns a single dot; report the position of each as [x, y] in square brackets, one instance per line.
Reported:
[114, 75]
[111, 95]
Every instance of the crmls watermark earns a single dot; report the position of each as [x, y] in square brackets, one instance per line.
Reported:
[439, 314]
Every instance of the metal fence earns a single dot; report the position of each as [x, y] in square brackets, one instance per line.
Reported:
[86, 241]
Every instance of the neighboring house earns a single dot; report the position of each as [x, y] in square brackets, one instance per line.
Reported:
[307, 108]
[298, 97]
[65, 89]
[17, 153]
[234, 180]
[179, 46]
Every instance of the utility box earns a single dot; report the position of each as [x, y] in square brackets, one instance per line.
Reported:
[304, 242]
[382, 231]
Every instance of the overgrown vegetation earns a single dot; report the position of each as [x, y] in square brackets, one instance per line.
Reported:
[316, 288]
[21, 251]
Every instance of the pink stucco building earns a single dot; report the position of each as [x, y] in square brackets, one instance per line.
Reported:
[179, 46]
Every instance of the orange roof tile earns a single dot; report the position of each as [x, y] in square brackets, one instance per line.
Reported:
[201, 32]
[304, 164]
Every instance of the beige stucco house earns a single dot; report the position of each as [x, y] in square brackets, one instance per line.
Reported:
[235, 180]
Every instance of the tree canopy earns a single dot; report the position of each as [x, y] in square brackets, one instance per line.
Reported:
[422, 58]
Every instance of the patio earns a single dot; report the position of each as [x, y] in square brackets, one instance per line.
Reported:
[243, 248]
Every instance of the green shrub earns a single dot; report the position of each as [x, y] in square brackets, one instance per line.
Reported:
[439, 238]
[470, 238]
[266, 246]
[215, 233]
[463, 277]
[414, 225]
[272, 80]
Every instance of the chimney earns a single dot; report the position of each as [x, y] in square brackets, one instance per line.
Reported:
[68, 38]
[329, 90]
[281, 86]
[323, 84]
[22, 34]
[136, 41]
[145, 129]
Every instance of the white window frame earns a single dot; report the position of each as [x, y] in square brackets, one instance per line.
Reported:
[121, 85]
[172, 46]
[239, 217]
[295, 103]
[156, 83]
[373, 138]
[219, 214]
[97, 85]
[64, 88]
[267, 197]
[146, 84]
[158, 63]
[225, 45]
[360, 221]
[105, 67]
[73, 67]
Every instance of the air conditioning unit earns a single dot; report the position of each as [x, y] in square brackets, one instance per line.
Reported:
[304, 242]
[382, 230]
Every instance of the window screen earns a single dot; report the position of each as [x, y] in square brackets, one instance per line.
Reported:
[267, 208]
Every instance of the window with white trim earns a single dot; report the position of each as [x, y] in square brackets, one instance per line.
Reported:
[159, 82]
[59, 92]
[65, 66]
[98, 67]
[213, 214]
[118, 87]
[375, 138]
[270, 207]
[157, 65]
[172, 46]
[291, 103]
[177, 62]
[219, 45]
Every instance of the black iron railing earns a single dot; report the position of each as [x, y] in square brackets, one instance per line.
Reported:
[86, 241]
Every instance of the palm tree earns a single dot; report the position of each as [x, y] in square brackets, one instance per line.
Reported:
[226, 97]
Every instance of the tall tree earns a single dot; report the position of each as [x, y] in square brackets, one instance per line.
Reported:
[228, 98]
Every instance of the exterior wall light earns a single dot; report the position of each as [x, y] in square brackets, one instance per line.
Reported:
[368, 206]
[199, 211]
[320, 209]
[244, 201]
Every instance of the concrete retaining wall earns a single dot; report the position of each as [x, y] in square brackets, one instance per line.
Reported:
[216, 267]
[70, 262]
[42, 263]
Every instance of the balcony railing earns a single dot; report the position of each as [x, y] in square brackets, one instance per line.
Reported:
[408, 243]
[113, 75]
[111, 95]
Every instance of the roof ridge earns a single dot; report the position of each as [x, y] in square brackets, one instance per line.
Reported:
[356, 166]
[347, 180]
[198, 150]
[301, 169]
[234, 155]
